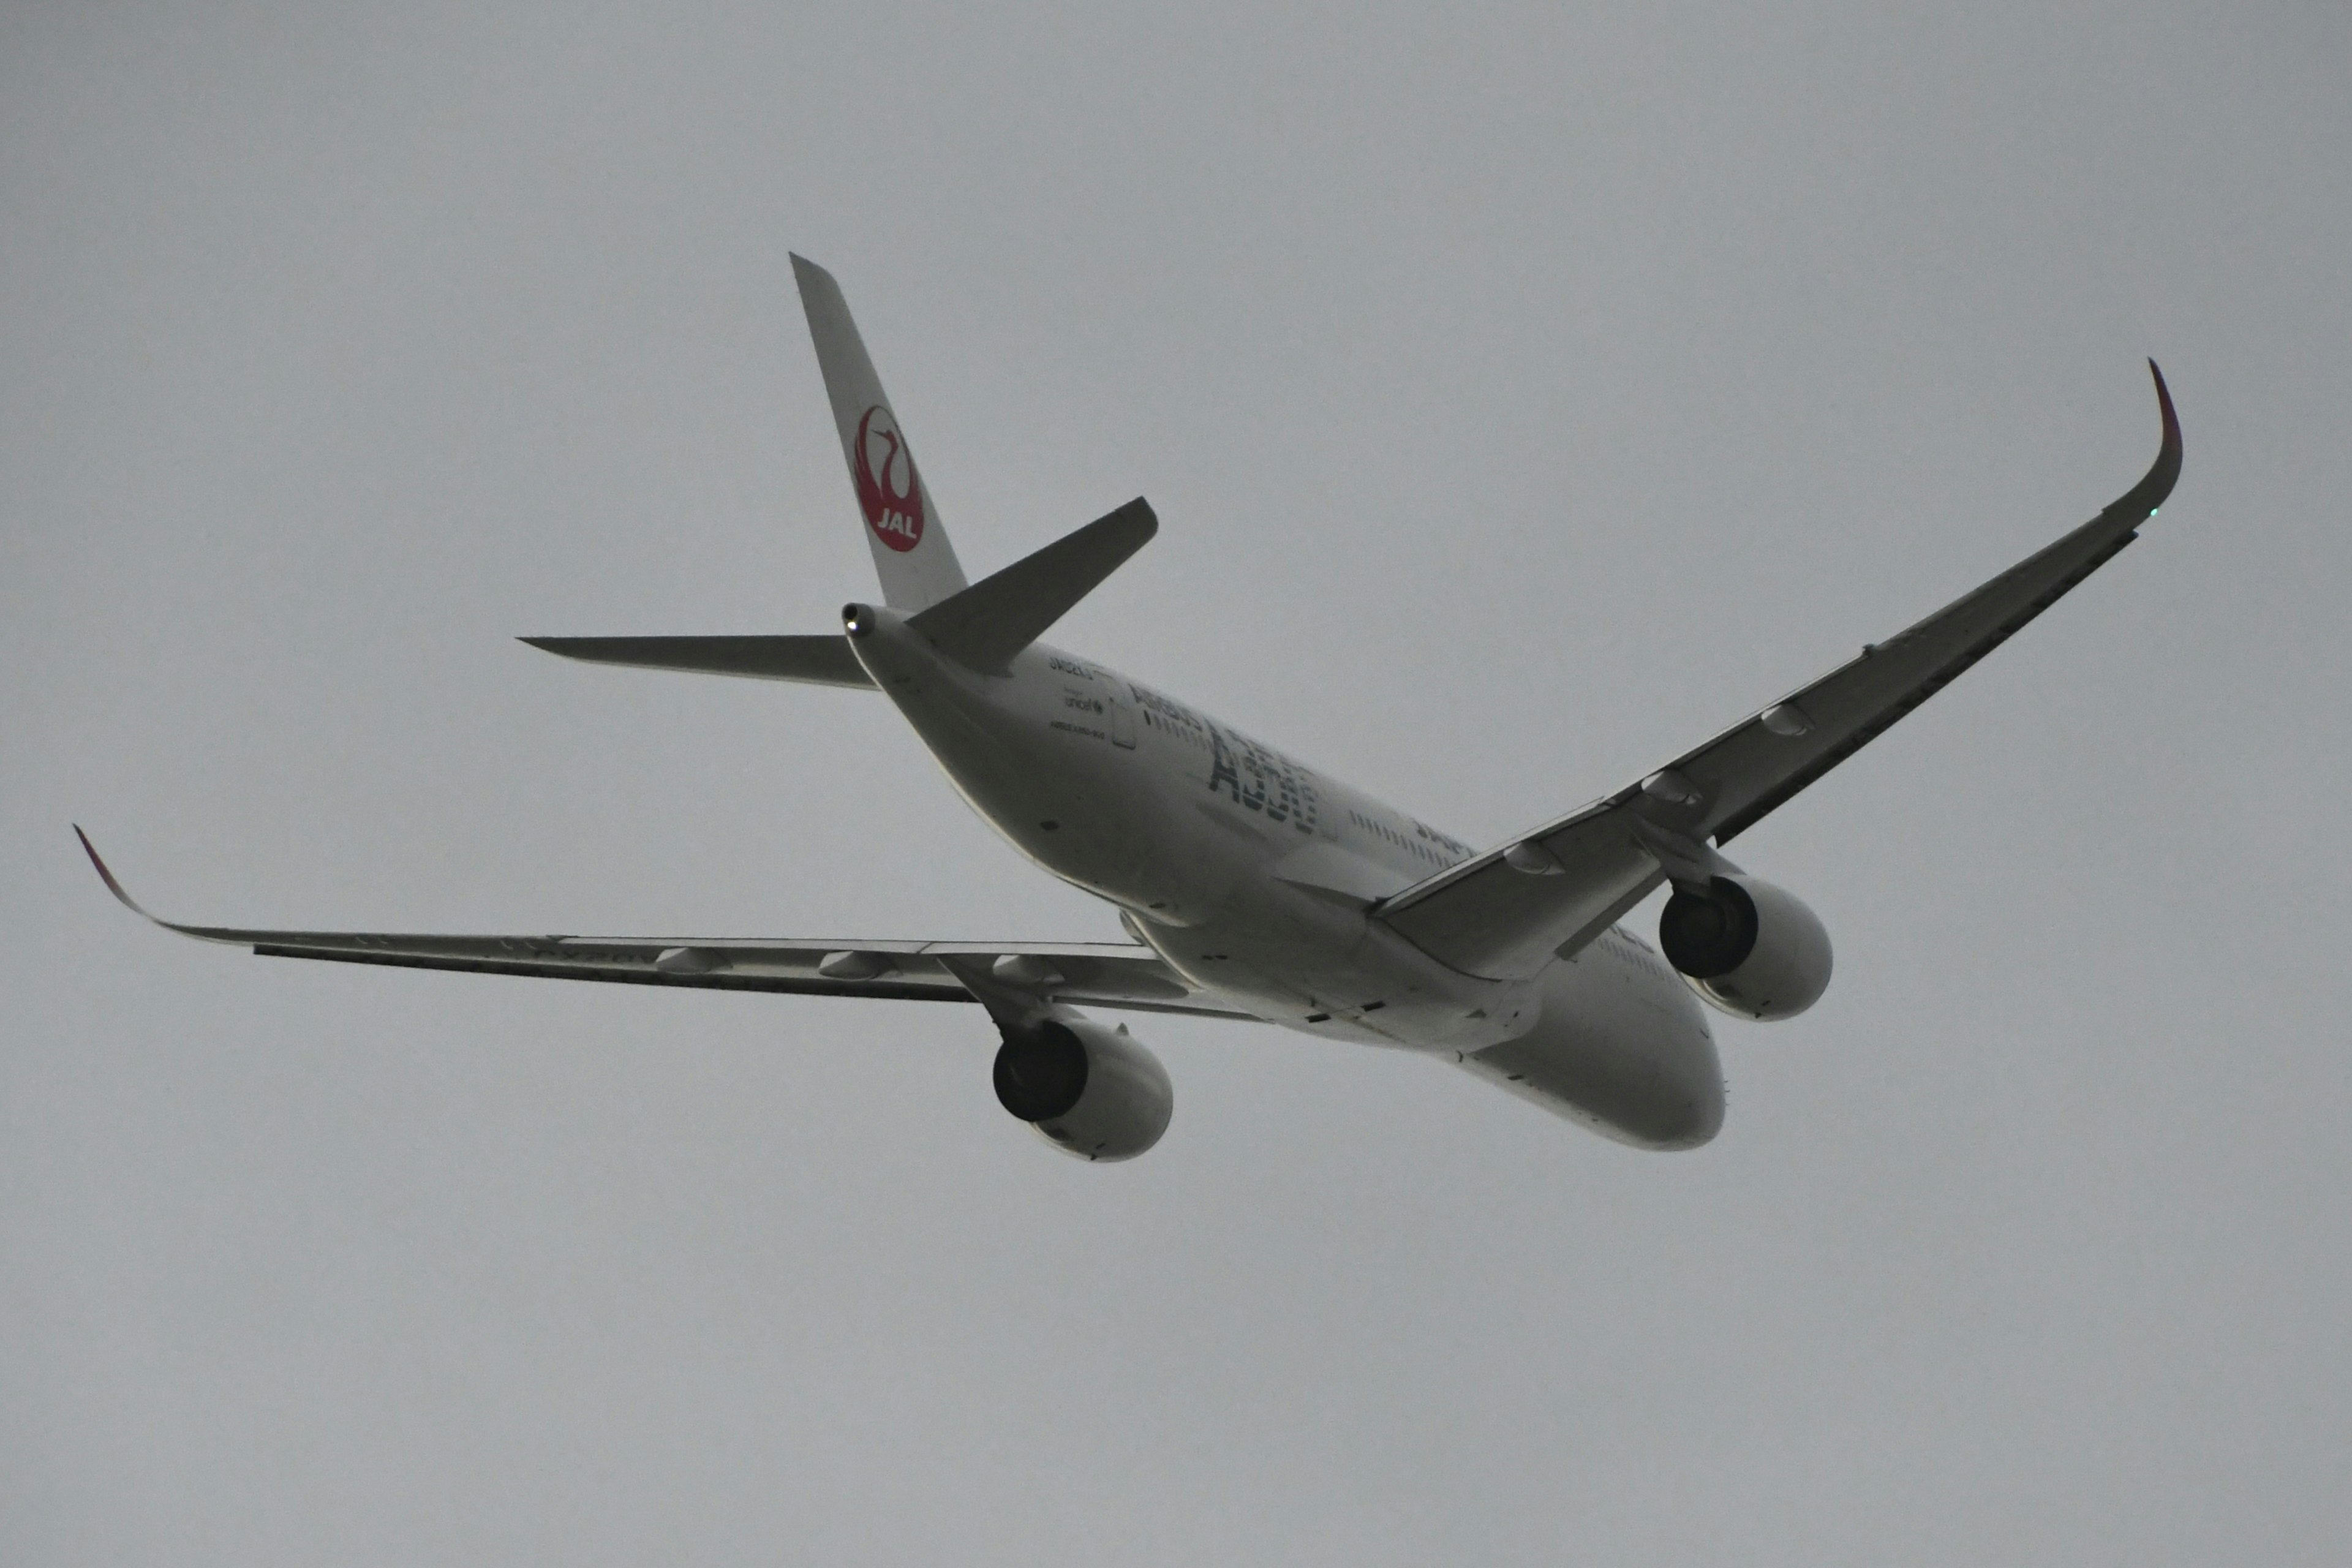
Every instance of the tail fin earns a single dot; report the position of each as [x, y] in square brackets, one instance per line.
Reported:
[911, 552]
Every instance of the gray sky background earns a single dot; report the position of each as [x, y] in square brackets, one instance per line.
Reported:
[1525, 394]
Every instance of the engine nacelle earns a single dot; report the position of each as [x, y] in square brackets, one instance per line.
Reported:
[1747, 947]
[1088, 1090]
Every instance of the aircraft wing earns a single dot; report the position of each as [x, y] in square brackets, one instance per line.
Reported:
[1508, 911]
[1100, 974]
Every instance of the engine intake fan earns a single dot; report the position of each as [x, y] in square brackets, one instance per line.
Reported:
[1089, 1091]
[1747, 947]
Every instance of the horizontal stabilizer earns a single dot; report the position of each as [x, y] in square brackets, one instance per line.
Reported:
[996, 617]
[816, 660]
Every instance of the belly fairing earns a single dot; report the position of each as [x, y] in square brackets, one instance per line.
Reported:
[1317, 964]
[1620, 1046]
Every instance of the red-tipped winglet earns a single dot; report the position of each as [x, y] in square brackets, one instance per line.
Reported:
[202, 934]
[108, 876]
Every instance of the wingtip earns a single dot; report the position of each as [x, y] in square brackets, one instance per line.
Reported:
[2164, 403]
[562, 648]
[106, 876]
[2145, 497]
[567, 648]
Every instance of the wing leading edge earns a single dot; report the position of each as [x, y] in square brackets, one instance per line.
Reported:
[1100, 974]
[1508, 911]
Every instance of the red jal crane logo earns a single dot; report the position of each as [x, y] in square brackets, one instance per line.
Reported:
[887, 490]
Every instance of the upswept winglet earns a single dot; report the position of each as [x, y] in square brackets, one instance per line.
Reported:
[2164, 472]
[202, 934]
[107, 876]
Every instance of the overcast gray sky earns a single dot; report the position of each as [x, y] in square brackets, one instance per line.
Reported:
[1525, 392]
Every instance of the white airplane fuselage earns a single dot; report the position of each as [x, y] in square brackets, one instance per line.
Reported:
[1251, 874]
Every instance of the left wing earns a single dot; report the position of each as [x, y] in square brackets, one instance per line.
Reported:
[1505, 913]
[1100, 974]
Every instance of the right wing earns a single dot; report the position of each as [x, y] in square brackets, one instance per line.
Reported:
[1100, 974]
[1507, 913]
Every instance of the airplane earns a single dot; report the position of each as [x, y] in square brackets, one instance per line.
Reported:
[1252, 886]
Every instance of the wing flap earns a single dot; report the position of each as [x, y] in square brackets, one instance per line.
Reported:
[1489, 916]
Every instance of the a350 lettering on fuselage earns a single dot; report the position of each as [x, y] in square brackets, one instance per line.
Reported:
[1250, 874]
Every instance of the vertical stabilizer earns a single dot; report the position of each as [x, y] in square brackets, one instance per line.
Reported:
[911, 552]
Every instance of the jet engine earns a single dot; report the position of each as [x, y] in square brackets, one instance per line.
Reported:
[1088, 1090]
[1747, 947]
